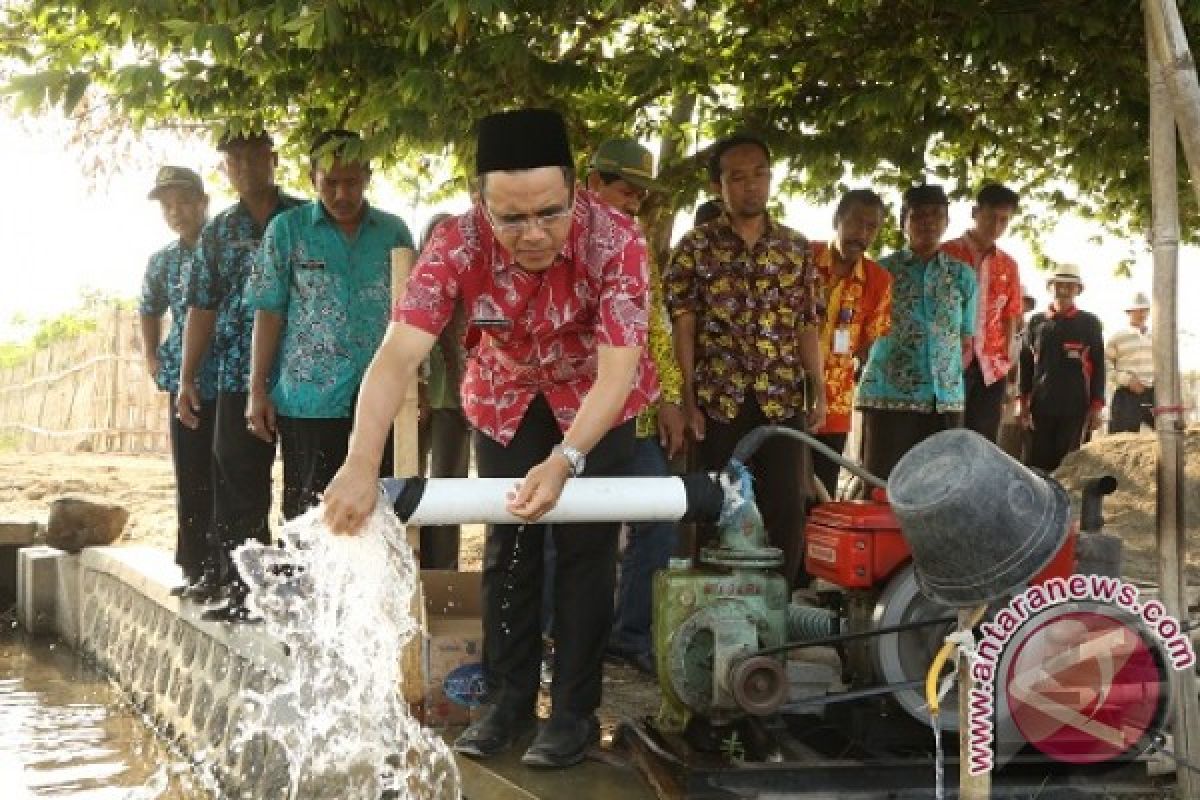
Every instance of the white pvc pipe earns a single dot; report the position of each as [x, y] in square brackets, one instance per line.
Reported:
[458, 501]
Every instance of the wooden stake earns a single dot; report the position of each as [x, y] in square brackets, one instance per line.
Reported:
[405, 436]
[970, 787]
[404, 465]
[1167, 58]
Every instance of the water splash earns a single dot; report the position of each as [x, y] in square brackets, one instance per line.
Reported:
[939, 758]
[341, 605]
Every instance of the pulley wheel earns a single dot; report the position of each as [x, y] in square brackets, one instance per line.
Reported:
[759, 684]
[906, 656]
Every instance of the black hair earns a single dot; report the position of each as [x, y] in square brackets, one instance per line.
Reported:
[996, 195]
[707, 212]
[728, 143]
[340, 137]
[927, 194]
[863, 197]
[568, 174]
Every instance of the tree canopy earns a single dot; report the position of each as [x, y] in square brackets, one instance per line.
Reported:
[1045, 94]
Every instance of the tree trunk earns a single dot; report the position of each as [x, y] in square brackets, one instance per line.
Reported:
[660, 220]
[1172, 534]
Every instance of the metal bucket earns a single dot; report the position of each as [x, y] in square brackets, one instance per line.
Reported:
[978, 522]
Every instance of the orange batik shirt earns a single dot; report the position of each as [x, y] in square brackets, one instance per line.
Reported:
[858, 310]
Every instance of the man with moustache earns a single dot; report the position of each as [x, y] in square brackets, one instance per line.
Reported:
[218, 317]
[321, 293]
[998, 307]
[743, 292]
[1062, 373]
[856, 294]
[554, 283]
[180, 193]
[912, 386]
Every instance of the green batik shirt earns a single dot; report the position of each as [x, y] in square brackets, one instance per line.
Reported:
[334, 295]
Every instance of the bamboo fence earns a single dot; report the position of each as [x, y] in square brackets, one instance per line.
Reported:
[86, 394]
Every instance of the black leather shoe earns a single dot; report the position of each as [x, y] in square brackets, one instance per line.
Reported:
[234, 611]
[205, 589]
[562, 742]
[493, 733]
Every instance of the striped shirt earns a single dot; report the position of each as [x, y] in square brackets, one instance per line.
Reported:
[1129, 353]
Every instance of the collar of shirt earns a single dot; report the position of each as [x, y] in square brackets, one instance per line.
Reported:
[823, 253]
[981, 252]
[1052, 312]
[319, 215]
[911, 258]
[724, 224]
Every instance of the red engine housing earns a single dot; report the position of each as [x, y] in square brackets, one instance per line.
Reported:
[858, 545]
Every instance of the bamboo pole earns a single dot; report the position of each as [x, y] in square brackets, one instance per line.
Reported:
[1169, 423]
[970, 787]
[1165, 33]
[404, 464]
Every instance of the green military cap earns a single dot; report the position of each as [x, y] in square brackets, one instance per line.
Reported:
[181, 177]
[627, 158]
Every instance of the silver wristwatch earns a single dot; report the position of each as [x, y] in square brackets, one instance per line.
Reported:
[574, 456]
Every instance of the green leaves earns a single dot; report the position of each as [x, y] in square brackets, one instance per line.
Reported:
[888, 92]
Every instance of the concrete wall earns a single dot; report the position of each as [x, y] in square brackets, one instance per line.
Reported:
[113, 604]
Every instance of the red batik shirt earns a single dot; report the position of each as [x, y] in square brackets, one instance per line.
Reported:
[860, 302]
[533, 333]
[1000, 299]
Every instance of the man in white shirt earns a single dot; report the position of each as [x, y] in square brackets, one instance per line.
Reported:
[1131, 361]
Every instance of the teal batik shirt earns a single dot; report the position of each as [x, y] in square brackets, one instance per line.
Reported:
[225, 258]
[918, 365]
[164, 288]
[334, 295]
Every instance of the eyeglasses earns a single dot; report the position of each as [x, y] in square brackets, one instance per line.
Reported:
[522, 223]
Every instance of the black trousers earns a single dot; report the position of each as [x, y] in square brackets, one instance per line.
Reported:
[243, 486]
[888, 435]
[445, 444]
[985, 404]
[778, 471]
[584, 577]
[1052, 437]
[312, 450]
[192, 458]
[825, 469]
[1130, 411]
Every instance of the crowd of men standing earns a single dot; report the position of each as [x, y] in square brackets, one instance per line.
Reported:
[552, 339]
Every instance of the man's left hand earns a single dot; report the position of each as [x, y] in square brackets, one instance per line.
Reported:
[1095, 419]
[672, 428]
[540, 490]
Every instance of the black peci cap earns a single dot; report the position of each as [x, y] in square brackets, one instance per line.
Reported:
[524, 139]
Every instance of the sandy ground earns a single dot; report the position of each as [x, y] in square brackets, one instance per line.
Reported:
[1130, 511]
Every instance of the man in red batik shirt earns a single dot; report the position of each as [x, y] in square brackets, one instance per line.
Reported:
[554, 286]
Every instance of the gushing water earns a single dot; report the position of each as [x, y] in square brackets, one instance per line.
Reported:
[939, 758]
[341, 604]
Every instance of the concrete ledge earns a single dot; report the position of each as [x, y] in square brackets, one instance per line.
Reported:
[114, 605]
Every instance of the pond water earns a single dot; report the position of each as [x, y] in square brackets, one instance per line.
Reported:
[66, 732]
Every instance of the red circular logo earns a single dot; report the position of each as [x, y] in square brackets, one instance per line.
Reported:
[1086, 686]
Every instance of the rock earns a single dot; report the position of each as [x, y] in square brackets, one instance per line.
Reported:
[76, 523]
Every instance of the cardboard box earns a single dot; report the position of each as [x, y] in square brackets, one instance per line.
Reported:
[452, 649]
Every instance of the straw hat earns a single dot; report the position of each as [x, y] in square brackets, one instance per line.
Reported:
[1066, 273]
